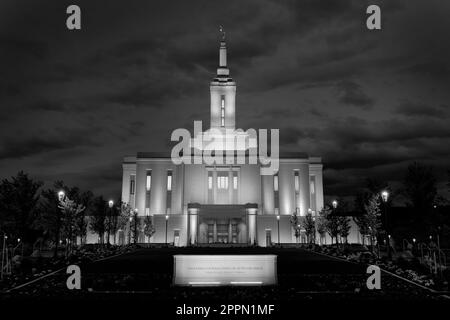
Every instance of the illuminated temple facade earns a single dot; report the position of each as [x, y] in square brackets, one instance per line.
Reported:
[230, 204]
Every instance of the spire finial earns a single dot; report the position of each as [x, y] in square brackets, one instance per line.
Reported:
[222, 31]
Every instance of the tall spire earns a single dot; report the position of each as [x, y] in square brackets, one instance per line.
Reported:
[223, 91]
[222, 70]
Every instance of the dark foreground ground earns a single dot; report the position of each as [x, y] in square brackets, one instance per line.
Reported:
[145, 277]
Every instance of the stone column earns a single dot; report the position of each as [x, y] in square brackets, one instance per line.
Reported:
[230, 187]
[304, 189]
[215, 232]
[214, 199]
[230, 232]
[251, 218]
[193, 224]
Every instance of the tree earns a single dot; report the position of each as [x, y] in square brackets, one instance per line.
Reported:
[81, 220]
[420, 186]
[49, 221]
[309, 225]
[448, 180]
[126, 212]
[98, 219]
[149, 229]
[71, 213]
[19, 206]
[295, 225]
[135, 226]
[53, 220]
[369, 223]
[114, 226]
[372, 187]
[321, 226]
[331, 222]
[344, 227]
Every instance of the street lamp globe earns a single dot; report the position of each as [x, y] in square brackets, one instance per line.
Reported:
[384, 195]
[278, 217]
[61, 195]
[167, 217]
[334, 203]
[111, 203]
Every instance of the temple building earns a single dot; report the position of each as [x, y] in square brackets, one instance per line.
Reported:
[206, 204]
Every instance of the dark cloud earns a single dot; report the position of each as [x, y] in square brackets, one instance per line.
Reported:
[408, 108]
[73, 103]
[19, 147]
[351, 93]
[434, 69]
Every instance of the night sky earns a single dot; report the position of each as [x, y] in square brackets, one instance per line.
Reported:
[73, 103]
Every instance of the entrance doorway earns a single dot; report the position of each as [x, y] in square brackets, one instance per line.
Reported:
[222, 231]
[268, 237]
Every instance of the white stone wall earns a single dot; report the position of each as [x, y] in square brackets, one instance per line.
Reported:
[190, 185]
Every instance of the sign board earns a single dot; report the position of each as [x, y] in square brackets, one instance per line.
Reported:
[225, 270]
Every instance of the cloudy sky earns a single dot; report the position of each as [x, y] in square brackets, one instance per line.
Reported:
[73, 103]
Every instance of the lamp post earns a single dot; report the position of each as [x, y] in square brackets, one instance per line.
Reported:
[129, 233]
[384, 197]
[3, 253]
[439, 249]
[110, 204]
[61, 195]
[135, 225]
[167, 220]
[314, 216]
[334, 203]
[278, 224]
[311, 213]
[20, 244]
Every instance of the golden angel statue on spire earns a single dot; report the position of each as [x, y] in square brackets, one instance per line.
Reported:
[222, 31]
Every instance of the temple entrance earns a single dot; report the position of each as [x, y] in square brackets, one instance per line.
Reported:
[222, 231]
[221, 225]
